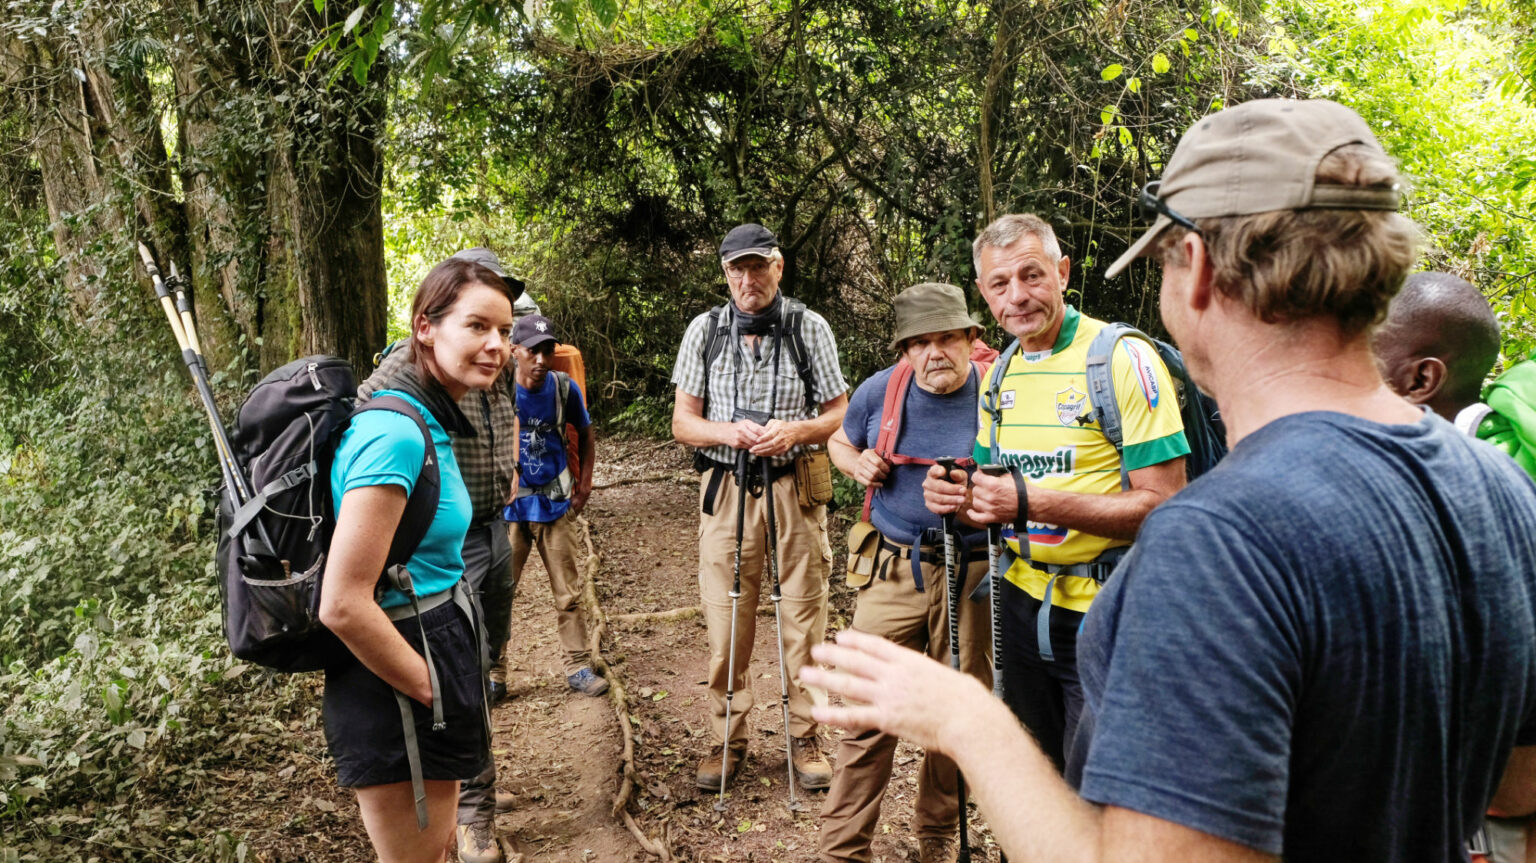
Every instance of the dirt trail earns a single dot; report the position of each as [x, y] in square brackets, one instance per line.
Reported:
[560, 753]
[647, 534]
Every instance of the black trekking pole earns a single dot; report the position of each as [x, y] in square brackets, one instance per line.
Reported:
[179, 315]
[778, 624]
[730, 666]
[953, 585]
[995, 587]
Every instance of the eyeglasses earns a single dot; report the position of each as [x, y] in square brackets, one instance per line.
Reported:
[1151, 203]
[735, 271]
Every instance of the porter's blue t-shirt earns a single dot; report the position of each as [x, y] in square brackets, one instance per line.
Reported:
[385, 448]
[932, 426]
[541, 448]
[1325, 648]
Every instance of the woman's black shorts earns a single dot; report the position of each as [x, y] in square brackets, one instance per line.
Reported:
[362, 718]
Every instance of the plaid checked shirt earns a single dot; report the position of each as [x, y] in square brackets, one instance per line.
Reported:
[487, 472]
[739, 379]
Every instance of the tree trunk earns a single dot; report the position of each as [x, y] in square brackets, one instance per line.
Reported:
[270, 202]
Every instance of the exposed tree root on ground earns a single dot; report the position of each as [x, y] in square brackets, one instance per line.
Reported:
[687, 612]
[617, 696]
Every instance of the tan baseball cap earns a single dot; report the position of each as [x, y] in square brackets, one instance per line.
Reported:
[1259, 157]
[931, 307]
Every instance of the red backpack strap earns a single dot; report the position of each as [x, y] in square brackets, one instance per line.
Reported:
[890, 420]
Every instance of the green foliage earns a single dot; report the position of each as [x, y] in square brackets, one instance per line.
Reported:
[1433, 79]
[645, 416]
[95, 506]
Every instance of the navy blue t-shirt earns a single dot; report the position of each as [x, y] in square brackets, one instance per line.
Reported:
[541, 447]
[1325, 648]
[932, 426]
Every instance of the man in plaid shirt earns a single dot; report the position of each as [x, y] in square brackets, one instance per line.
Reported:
[756, 371]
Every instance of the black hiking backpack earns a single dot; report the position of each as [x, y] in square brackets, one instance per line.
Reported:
[718, 335]
[272, 550]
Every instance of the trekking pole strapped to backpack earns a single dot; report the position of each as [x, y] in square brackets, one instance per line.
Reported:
[179, 315]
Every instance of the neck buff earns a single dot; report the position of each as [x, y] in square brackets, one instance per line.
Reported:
[761, 322]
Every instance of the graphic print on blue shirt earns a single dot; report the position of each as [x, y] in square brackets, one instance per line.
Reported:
[541, 448]
[385, 448]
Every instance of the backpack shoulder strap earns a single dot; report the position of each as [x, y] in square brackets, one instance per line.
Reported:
[421, 505]
[794, 320]
[890, 420]
[990, 399]
[562, 395]
[1101, 386]
[714, 343]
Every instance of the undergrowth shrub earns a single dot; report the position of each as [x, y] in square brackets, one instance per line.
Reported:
[125, 713]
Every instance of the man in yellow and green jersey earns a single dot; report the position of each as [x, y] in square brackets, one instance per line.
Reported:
[1065, 486]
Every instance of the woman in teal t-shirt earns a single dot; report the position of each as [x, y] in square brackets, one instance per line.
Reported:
[461, 317]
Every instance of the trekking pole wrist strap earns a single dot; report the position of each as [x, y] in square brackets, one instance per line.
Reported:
[1021, 515]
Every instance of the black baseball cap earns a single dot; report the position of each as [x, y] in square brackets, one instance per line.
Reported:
[748, 239]
[532, 331]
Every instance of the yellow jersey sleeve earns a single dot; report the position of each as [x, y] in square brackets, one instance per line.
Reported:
[1149, 405]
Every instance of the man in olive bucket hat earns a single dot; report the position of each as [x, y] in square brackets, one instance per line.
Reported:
[900, 577]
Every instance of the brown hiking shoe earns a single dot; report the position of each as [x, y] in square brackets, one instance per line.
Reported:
[707, 778]
[477, 843]
[937, 849]
[505, 802]
[811, 767]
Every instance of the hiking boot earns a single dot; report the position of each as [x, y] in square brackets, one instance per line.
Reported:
[587, 683]
[498, 684]
[811, 767]
[937, 849]
[505, 802]
[707, 778]
[477, 843]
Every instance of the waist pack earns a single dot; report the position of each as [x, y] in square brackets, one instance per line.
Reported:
[813, 477]
[272, 550]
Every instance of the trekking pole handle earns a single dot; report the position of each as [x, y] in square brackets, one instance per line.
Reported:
[165, 296]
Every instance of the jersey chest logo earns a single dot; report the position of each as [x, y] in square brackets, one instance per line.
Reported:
[1038, 465]
[1005, 400]
[1069, 405]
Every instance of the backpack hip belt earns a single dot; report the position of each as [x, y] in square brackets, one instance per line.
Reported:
[1097, 569]
[717, 472]
[929, 548]
[558, 488]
